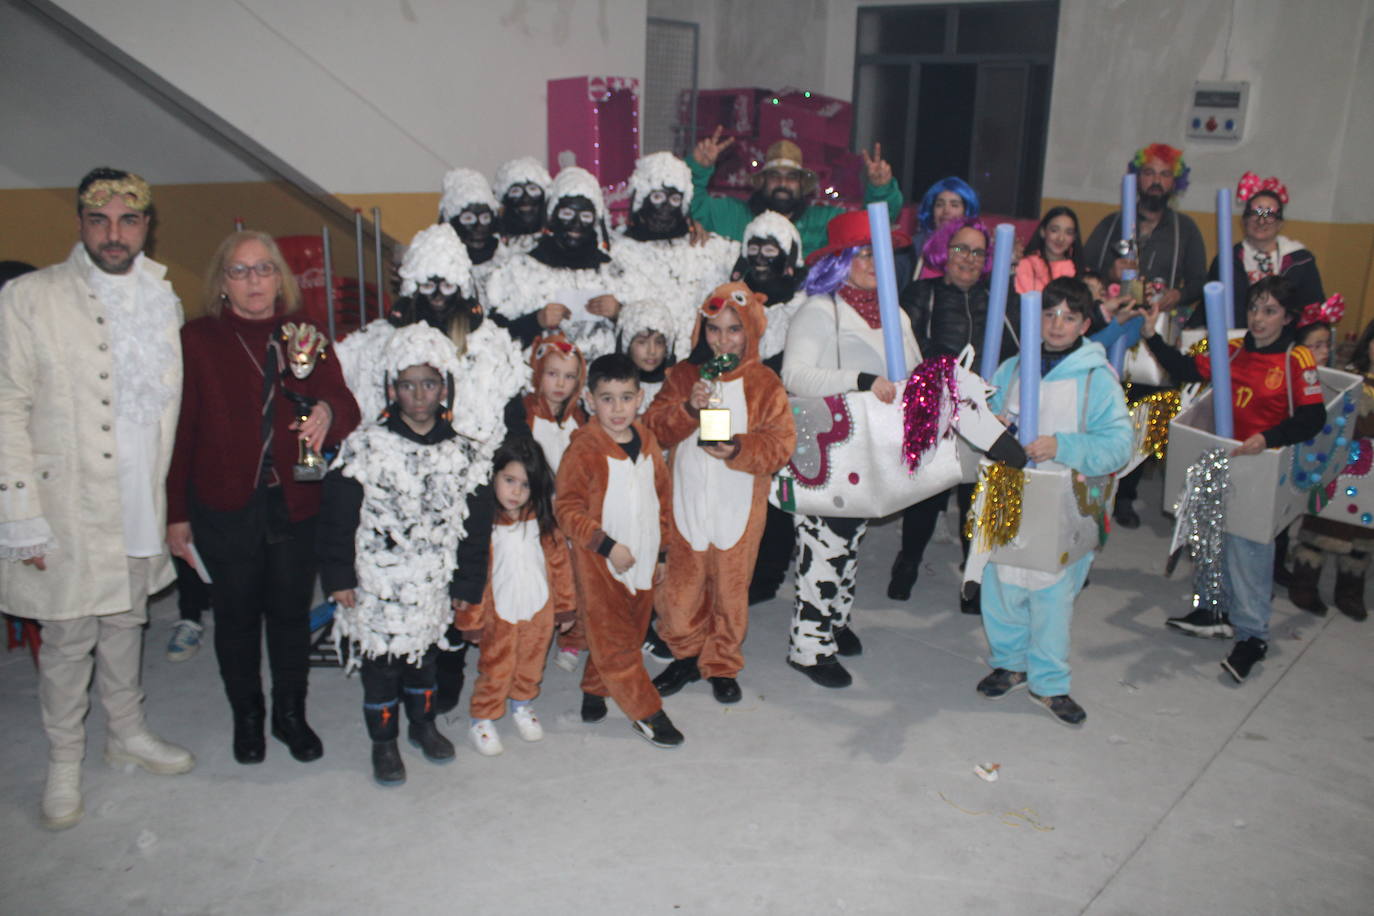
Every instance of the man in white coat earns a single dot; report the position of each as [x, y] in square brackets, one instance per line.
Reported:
[90, 385]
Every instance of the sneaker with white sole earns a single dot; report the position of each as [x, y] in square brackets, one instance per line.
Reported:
[1063, 707]
[1204, 624]
[567, 659]
[1000, 683]
[484, 737]
[527, 723]
[658, 730]
[185, 641]
[62, 795]
[144, 749]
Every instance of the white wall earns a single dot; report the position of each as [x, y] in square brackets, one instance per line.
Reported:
[771, 44]
[1124, 72]
[64, 113]
[365, 97]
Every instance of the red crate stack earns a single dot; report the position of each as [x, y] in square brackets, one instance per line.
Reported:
[593, 122]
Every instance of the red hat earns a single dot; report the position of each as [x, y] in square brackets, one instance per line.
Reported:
[851, 230]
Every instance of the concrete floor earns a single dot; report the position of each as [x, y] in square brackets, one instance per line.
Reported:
[1181, 794]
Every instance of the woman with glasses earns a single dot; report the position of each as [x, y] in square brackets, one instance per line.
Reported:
[1264, 251]
[251, 405]
[948, 312]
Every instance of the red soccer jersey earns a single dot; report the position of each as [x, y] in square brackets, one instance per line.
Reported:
[1263, 385]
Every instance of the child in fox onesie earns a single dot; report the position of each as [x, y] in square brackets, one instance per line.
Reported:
[614, 502]
[720, 491]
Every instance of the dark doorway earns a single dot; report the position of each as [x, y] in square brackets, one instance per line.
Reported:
[959, 89]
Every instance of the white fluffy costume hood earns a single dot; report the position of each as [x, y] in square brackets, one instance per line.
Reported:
[660, 170]
[464, 188]
[645, 315]
[436, 251]
[771, 224]
[419, 344]
[575, 181]
[524, 170]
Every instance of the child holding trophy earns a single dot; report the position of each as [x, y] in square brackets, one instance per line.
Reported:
[726, 418]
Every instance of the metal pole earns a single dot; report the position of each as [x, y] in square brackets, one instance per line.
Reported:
[377, 246]
[362, 267]
[328, 281]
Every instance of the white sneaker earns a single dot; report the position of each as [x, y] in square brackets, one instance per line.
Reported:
[484, 737]
[62, 795]
[146, 750]
[527, 723]
[185, 641]
[567, 659]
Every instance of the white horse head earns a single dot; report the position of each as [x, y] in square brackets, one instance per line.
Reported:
[945, 396]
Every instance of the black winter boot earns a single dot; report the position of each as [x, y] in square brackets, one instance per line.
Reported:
[250, 721]
[421, 731]
[383, 725]
[1302, 586]
[1350, 594]
[290, 728]
[448, 673]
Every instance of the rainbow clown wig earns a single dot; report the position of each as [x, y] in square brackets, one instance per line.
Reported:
[1169, 156]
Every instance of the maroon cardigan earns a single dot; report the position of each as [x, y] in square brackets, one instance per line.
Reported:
[215, 461]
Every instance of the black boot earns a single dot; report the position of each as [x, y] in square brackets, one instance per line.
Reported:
[1350, 594]
[904, 573]
[383, 725]
[448, 673]
[290, 728]
[1302, 587]
[421, 730]
[250, 721]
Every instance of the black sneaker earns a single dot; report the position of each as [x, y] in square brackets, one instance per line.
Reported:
[593, 707]
[726, 690]
[1244, 656]
[970, 598]
[827, 672]
[847, 642]
[655, 647]
[1061, 707]
[1000, 683]
[679, 674]
[1204, 624]
[658, 730]
[1126, 516]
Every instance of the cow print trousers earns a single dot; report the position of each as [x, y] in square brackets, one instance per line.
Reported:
[826, 562]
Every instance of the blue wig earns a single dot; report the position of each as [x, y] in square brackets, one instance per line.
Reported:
[926, 215]
[830, 272]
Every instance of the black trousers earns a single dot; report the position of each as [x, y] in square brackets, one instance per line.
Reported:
[918, 521]
[385, 676]
[193, 595]
[263, 567]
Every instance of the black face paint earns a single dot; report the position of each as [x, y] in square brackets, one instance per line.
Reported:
[659, 216]
[475, 225]
[766, 267]
[522, 210]
[574, 223]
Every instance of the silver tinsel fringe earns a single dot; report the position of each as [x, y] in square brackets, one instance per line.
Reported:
[1201, 513]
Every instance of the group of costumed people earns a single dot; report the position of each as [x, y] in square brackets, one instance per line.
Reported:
[518, 450]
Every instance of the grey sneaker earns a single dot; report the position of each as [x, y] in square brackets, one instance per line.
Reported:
[1000, 683]
[185, 641]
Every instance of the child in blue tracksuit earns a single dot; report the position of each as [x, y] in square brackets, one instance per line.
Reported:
[1084, 426]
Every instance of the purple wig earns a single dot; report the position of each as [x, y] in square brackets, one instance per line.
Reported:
[830, 272]
[936, 250]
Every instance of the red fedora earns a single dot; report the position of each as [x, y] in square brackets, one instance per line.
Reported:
[851, 230]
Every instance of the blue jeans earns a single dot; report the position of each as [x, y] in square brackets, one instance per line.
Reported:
[1248, 582]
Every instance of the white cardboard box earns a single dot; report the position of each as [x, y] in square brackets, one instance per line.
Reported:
[1270, 489]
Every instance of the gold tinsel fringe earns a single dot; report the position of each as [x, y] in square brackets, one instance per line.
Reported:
[1000, 519]
[1164, 406]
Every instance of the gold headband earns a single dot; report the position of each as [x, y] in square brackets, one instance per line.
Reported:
[135, 191]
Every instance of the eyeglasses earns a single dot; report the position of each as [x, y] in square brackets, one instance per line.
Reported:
[240, 272]
[468, 218]
[976, 254]
[1263, 214]
[427, 385]
[429, 286]
[568, 214]
[658, 198]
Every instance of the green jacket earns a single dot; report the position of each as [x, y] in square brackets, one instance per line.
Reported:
[728, 216]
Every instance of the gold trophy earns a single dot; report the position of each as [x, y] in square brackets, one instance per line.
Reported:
[304, 346]
[714, 425]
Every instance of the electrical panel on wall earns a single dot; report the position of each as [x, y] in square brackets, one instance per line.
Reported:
[1217, 110]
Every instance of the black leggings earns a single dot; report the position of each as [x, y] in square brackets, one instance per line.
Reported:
[918, 521]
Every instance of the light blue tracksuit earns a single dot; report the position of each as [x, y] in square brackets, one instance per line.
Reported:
[1028, 629]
